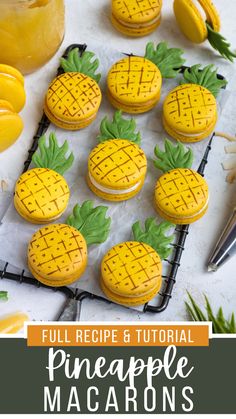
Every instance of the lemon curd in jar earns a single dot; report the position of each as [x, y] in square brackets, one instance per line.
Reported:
[30, 32]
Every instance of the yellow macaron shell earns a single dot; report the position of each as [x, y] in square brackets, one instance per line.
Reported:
[190, 112]
[192, 16]
[118, 167]
[131, 273]
[72, 100]
[12, 87]
[57, 255]
[11, 125]
[212, 15]
[41, 195]
[181, 196]
[136, 18]
[134, 84]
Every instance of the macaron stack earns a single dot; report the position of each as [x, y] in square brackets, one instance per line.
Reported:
[42, 194]
[181, 194]
[131, 272]
[134, 83]
[73, 98]
[57, 253]
[12, 101]
[117, 166]
[136, 18]
[190, 110]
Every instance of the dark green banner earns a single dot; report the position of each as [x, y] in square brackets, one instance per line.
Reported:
[133, 380]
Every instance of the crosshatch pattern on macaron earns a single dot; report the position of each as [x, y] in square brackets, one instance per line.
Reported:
[73, 95]
[41, 193]
[181, 191]
[136, 10]
[117, 163]
[190, 107]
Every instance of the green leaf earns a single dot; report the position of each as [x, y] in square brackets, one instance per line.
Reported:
[197, 311]
[220, 44]
[119, 128]
[91, 222]
[206, 77]
[3, 295]
[168, 60]
[173, 157]
[53, 156]
[81, 64]
[219, 323]
[154, 235]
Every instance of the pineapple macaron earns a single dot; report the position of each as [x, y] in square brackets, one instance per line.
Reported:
[74, 97]
[12, 87]
[199, 21]
[117, 165]
[58, 253]
[136, 18]
[42, 193]
[181, 194]
[134, 83]
[190, 110]
[11, 125]
[131, 272]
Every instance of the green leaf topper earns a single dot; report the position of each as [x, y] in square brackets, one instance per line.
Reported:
[168, 60]
[81, 64]
[119, 128]
[3, 295]
[173, 157]
[219, 43]
[207, 77]
[53, 156]
[91, 222]
[154, 235]
[219, 322]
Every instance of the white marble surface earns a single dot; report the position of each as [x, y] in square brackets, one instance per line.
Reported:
[90, 21]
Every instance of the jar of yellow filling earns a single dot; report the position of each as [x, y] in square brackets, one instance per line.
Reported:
[30, 32]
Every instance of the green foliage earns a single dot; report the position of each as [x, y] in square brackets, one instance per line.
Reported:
[81, 64]
[173, 157]
[219, 323]
[53, 157]
[3, 295]
[207, 77]
[154, 235]
[220, 44]
[119, 128]
[91, 222]
[168, 60]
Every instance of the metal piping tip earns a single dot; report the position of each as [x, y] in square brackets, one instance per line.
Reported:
[212, 267]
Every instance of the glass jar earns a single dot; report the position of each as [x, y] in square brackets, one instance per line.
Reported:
[31, 31]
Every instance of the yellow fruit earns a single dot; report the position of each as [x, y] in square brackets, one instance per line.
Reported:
[116, 169]
[11, 125]
[41, 195]
[72, 100]
[13, 322]
[136, 18]
[134, 84]
[57, 255]
[181, 196]
[12, 87]
[190, 113]
[131, 273]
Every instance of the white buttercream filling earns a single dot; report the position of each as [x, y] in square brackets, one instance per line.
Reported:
[138, 25]
[113, 191]
[190, 135]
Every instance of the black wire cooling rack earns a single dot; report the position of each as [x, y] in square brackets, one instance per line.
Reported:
[181, 233]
